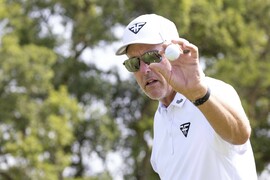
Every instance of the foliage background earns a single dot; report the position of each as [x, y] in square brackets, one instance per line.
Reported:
[56, 109]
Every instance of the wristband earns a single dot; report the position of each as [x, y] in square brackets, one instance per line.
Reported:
[202, 100]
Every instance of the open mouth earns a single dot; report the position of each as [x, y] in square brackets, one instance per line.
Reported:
[151, 82]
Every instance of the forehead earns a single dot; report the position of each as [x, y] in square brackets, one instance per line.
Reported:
[139, 49]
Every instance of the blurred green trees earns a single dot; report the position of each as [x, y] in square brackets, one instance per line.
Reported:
[56, 109]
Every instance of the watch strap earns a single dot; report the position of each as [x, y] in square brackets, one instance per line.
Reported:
[202, 100]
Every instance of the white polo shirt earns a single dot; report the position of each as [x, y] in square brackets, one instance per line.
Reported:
[186, 147]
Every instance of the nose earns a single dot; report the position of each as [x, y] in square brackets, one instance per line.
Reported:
[144, 68]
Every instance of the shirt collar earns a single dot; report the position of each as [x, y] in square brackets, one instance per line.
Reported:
[178, 101]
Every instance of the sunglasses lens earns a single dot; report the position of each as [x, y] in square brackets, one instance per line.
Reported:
[132, 64]
[151, 57]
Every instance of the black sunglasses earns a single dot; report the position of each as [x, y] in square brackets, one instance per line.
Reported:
[133, 64]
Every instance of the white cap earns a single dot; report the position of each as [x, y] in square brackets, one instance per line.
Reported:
[148, 29]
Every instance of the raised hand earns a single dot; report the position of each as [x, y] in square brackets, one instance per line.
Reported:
[184, 74]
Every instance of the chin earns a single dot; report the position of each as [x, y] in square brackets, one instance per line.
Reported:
[155, 96]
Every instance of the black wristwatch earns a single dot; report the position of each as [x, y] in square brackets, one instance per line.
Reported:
[202, 100]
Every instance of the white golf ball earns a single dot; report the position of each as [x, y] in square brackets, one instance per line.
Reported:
[172, 52]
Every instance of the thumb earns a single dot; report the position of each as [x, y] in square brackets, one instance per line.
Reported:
[161, 68]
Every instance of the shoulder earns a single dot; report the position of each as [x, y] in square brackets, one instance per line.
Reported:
[216, 83]
[220, 87]
[224, 91]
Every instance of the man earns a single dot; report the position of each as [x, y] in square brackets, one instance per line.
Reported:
[201, 131]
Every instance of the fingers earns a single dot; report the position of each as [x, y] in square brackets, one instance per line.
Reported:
[180, 41]
[192, 48]
[186, 51]
[186, 47]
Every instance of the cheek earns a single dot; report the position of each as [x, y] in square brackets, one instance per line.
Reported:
[138, 78]
[156, 92]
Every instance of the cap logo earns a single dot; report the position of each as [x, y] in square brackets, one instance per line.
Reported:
[137, 27]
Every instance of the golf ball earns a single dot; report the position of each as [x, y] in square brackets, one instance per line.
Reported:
[172, 52]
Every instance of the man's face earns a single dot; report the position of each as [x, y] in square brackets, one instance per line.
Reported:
[152, 83]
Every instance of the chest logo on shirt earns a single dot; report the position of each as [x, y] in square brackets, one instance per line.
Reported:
[184, 128]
